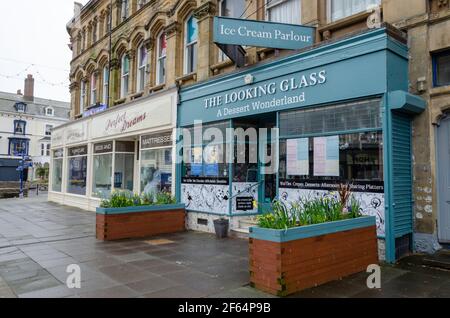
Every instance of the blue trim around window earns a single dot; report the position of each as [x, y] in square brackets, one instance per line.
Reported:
[435, 58]
[18, 122]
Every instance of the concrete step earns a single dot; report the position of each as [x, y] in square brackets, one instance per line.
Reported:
[246, 223]
[241, 233]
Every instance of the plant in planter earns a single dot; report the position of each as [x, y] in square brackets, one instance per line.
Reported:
[310, 242]
[127, 215]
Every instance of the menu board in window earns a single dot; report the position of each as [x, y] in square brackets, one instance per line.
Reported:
[326, 156]
[297, 152]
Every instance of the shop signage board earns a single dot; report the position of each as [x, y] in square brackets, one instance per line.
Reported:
[75, 133]
[262, 34]
[78, 151]
[244, 203]
[103, 147]
[163, 139]
[143, 115]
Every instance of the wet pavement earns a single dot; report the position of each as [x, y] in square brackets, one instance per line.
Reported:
[38, 240]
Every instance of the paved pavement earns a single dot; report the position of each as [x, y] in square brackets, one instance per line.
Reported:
[38, 240]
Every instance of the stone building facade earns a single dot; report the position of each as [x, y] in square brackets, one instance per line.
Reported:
[156, 45]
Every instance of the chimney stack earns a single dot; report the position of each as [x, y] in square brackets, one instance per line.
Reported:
[19, 92]
[29, 88]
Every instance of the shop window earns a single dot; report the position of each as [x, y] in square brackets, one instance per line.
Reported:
[105, 92]
[190, 47]
[48, 130]
[142, 68]
[245, 162]
[57, 168]
[125, 76]
[156, 170]
[207, 159]
[441, 68]
[102, 171]
[338, 158]
[161, 67]
[94, 88]
[339, 9]
[327, 119]
[77, 170]
[19, 127]
[18, 147]
[124, 165]
[283, 11]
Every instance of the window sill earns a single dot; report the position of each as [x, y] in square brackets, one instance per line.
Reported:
[137, 95]
[343, 23]
[186, 78]
[120, 101]
[156, 88]
[221, 65]
[439, 91]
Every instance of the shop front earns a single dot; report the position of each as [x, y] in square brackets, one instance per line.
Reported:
[301, 127]
[128, 147]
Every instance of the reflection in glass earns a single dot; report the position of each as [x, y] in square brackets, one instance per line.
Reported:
[156, 170]
[101, 186]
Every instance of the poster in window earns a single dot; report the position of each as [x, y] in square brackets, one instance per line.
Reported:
[297, 157]
[211, 161]
[196, 167]
[326, 156]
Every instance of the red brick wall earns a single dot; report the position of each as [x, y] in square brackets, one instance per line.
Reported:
[285, 268]
[143, 224]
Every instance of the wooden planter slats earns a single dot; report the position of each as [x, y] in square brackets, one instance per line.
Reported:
[283, 262]
[138, 222]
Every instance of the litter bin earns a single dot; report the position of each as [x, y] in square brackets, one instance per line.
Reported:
[221, 228]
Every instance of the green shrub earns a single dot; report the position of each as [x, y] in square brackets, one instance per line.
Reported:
[125, 198]
[318, 210]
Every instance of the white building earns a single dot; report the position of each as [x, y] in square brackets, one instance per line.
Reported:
[26, 124]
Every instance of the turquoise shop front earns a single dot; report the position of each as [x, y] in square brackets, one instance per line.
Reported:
[338, 113]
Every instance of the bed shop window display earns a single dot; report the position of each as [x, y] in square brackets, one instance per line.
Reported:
[77, 170]
[156, 163]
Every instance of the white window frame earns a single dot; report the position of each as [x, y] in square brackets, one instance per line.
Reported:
[125, 9]
[94, 88]
[82, 96]
[188, 45]
[124, 77]
[49, 111]
[329, 12]
[272, 4]
[105, 86]
[45, 129]
[142, 68]
[161, 60]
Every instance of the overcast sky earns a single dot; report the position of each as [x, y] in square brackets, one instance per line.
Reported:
[34, 32]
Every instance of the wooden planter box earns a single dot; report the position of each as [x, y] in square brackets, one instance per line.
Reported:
[283, 262]
[140, 221]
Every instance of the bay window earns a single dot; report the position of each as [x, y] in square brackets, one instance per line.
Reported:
[142, 68]
[124, 76]
[283, 11]
[339, 9]
[190, 47]
[161, 59]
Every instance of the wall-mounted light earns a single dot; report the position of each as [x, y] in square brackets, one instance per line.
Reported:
[421, 84]
[249, 79]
